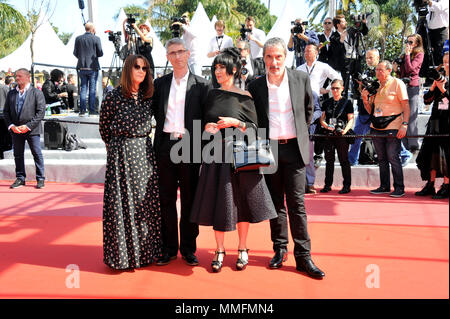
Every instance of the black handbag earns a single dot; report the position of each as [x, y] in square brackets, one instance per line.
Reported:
[252, 156]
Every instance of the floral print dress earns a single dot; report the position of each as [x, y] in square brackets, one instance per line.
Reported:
[131, 207]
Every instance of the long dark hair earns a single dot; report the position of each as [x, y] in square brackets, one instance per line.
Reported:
[146, 87]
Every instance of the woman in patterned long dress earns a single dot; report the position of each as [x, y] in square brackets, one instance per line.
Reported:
[223, 198]
[131, 209]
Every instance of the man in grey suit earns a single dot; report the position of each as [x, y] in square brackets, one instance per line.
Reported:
[23, 112]
[88, 49]
[284, 104]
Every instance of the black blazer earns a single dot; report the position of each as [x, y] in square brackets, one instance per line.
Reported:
[32, 113]
[196, 92]
[302, 106]
[325, 53]
[88, 49]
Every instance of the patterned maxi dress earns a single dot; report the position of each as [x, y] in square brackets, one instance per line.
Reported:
[131, 208]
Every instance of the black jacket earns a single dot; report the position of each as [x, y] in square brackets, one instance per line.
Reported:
[32, 113]
[302, 106]
[196, 92]
[88, 49]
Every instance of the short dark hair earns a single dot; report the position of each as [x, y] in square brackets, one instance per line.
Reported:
[56, 75]
[230, 58]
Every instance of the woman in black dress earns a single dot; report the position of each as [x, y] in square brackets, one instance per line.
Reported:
[337, 119]
[131, 209]
[144, 43]
[224, 198]
[433, 157]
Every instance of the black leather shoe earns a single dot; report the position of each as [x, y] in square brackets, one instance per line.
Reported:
[40, 184]
[307, 265]
[17, 183]
[165, 259]
[442, 193]
[190, 259]
[344, 190]
[428, 189]
[326, 189]
[280, 256]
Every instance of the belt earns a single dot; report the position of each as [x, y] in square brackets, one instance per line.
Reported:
[285, 141]
[85, 69]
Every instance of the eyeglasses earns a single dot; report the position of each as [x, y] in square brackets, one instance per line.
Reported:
[241, 49]
[143, 68]
[336, 88]
[176, 53]
[328, 22]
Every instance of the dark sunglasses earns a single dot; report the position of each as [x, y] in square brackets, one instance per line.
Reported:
[138, 67]
[328, 22]
[336, 88]
[409, 42]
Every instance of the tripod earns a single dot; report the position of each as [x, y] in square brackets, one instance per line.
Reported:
[116, 63]
[354, 61]
[299, 54]
[422, 28]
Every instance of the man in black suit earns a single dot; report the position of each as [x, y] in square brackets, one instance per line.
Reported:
[178, 106]
[287, 118]
[88, 49]
[23, 112]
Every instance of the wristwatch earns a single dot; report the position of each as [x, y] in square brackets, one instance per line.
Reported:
[404, 123]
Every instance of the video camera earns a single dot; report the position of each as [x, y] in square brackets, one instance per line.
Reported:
[176, 28]
[131, 18]
[244, 32]
[298, 27]
[359, 18]
[115, 38]
[421, 7]
[369, 83]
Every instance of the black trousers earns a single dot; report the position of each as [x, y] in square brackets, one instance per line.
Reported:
[171, 177]
[339, 145]
[289, 181]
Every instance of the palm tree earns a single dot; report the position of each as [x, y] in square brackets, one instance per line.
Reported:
[9, 15]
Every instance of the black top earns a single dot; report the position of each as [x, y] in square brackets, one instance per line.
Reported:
[145, 49]
[229, 104]
[339, 109]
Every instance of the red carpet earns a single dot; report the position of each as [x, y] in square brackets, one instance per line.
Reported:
[368, 246]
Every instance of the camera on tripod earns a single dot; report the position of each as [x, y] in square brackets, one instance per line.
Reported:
[369, 83]
[244, 32]
[175, 28]
[116, 39]
[359, 18]
[131, 19]
[299, 27]
[421, 7]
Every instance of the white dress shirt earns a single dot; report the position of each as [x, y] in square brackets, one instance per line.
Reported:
[255, 50]
[281, 116]
[217, 44]
[191, 41]
[174, 122]
[318, 73]
[438, 14]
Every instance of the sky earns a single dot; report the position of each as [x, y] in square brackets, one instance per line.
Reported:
[67, 13]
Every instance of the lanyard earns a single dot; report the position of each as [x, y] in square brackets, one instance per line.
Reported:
[219, 44]
[312, 69]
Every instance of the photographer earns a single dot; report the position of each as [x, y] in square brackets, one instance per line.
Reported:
[300, 37]
[252, 68]
[191, 41]
[433, 157]
[437, 19]
[389, 113]
[144, 44]
[54, 90]
[254, 36]
[337, 119]
[408, 67]
[346, 47]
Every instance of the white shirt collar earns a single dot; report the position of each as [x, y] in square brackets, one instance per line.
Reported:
[26, 88]
[283, 82]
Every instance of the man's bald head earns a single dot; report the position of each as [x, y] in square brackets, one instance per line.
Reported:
[89, 27]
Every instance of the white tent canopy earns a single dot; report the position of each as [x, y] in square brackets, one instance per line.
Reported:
[47, 47]
[282, 27]
[201, 26]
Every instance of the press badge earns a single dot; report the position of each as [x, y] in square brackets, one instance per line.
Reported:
[443, 105]
[378, 112]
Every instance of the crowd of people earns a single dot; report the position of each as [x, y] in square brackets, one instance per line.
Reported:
[253, 88]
